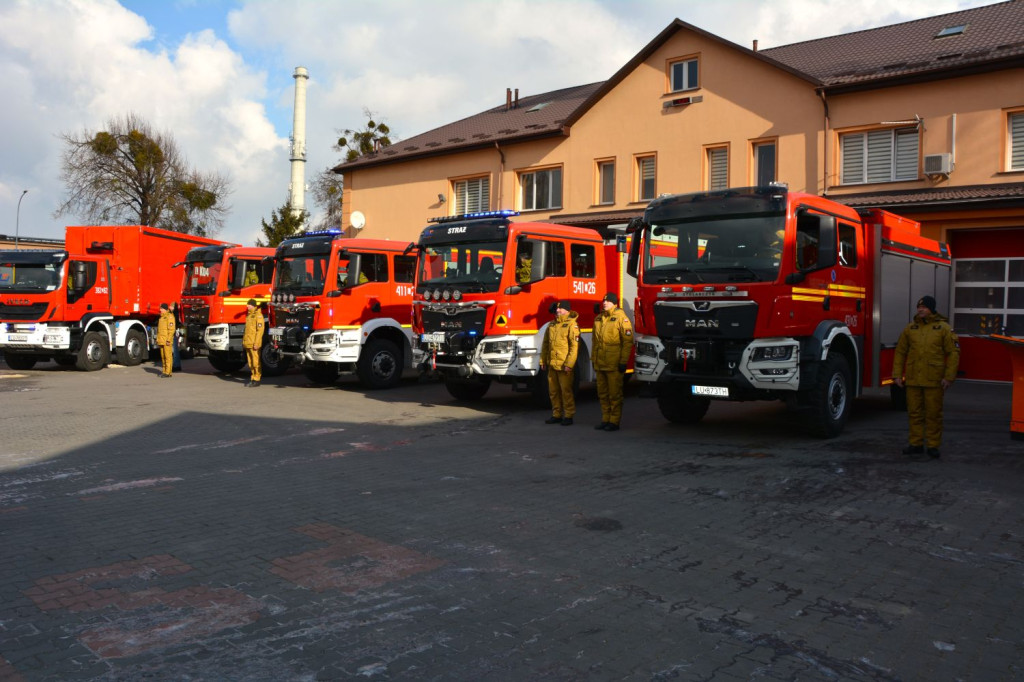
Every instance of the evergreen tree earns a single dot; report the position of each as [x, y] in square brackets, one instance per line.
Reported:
[283, 224]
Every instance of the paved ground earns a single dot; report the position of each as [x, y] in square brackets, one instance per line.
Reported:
[193, 529]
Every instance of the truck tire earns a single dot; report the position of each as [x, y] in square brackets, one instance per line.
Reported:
[225, 361]
[321, 373]
[272, 362]
[134, 350]
[94, 353]
[379, 364]
[20, 362]
[898, 397]
[467, 390]
[830, 398]
[680, 406]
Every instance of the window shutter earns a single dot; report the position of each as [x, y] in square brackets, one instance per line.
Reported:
[1017, 141]
[853, 159]
[906, 154]
[718, 169]
[472, 195]
[646, 179]
[879, 166]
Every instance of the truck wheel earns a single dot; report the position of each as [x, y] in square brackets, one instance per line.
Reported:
[379, 364]
[20, 362]
[467, 389]
[539, 395]
[898, 397]
[680, 406]
[134, 350]
[94, 353]
[223, 361]
[272, 362]
[322, 373]
[830, 398]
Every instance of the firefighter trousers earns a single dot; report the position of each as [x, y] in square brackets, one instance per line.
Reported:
[563, 402]
[924, 410]
[252, 356]
[167, 357]
[609, 393]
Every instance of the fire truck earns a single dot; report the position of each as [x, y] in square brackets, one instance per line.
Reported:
[486, 288]
[765, 294]
[96, 300]
[343, 306]
[218, 282]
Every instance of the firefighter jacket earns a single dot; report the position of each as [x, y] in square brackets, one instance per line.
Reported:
[165, 329]
[613, 340]
[254, 324]
[524, 270]
[928, 352]
[561, 343]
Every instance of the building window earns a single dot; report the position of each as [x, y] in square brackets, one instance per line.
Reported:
[645, 178]
[1016, 130]
[879, 156]
[541, 189]
[764, 163]
[988, 296]
[583, 262]
[682, 75]
[472, 195]
[606, 182]
[718, 168]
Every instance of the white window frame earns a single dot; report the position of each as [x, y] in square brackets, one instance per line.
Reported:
[684, 83]
[881, 155]
[756, 148]
[646, 167]
[1015, 140]
[1005, 284]
[605, 166]
[530, 189]
[472, 194]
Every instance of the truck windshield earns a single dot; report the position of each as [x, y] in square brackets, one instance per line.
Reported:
[201, 278]
[29, 277]
[726, 249]
[301, 275]
[474, 266]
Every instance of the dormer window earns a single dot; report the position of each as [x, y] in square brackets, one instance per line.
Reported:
[951, 31]
[683, 74]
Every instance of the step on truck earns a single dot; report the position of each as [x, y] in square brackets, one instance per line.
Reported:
[96, 300]
[343, 306]
[486, 288]
[765, 294]
[218, 282]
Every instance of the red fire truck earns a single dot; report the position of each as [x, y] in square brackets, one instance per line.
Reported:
[764, 294]
[218, 282]
[485, 293]
[99, 297]
[342, 306]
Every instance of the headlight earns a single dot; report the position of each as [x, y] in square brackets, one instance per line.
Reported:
[446, 294]
[644, 348]
[772, 353]
[457, 295]
[499, 347]
[437, 295]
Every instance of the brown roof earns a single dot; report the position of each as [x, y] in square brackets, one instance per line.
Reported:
[945, 197]
[991, 34]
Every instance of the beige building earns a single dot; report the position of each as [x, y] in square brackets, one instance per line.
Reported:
[924, 118]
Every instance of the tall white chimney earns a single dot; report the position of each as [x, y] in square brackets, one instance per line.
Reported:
[297, 187]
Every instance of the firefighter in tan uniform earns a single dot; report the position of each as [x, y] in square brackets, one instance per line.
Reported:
[252, 340]
[612, 344]
[165, 329]
[558, 357]
[926, 360]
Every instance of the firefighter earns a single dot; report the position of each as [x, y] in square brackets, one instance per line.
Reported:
[558, 357]
[165, 330]
[524, 268]
[612, 344]
[252, 341]
[926, 360]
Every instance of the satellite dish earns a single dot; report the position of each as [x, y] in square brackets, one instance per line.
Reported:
[357, 220]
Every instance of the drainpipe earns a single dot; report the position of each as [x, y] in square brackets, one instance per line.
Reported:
[501, 174]
[825, 143]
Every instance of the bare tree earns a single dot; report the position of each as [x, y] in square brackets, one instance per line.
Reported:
[129, 174]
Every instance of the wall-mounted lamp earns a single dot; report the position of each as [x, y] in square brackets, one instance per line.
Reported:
[441, 198]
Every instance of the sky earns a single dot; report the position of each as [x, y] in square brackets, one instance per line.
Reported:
[217, 74]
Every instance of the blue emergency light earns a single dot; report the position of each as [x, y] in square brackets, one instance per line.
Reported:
[504, 213]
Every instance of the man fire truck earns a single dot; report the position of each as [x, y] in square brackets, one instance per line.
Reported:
[762, 294]
[218, 280]
[99, 297]
[342, 306]
[485, 287]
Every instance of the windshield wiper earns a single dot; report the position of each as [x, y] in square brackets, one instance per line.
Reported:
[679, 277]
[736, 268]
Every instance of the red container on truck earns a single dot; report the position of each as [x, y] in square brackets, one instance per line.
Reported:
[96, 300]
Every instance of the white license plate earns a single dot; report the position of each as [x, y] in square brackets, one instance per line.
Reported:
[716, 391]
[17, 338]
[686, 353]
[276, 332]
[432, 337]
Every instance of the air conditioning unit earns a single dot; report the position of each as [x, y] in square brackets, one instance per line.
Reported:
[938, 164]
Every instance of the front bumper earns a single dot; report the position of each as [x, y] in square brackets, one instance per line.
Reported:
[495, 356]
[340, 346]
[34, 336]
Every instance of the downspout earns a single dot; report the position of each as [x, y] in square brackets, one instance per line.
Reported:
[825, 143]
[501, 174]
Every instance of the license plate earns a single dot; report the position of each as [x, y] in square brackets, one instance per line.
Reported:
[276, 332]
[686, 353]
[17, 338]
[432, 337]
[716, 391]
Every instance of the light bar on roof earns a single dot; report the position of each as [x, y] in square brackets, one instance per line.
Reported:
[504, 213]
[319, 233]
